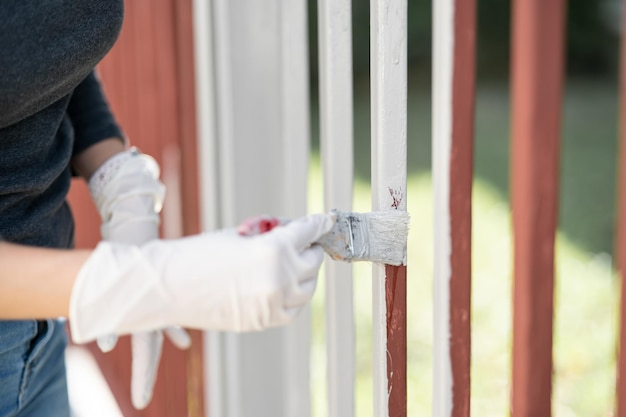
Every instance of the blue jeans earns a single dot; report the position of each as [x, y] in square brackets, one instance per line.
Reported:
[32, 369]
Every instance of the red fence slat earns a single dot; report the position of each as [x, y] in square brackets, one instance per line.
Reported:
[454, 70]
[537, 83]
[461, 174]
[395, 290]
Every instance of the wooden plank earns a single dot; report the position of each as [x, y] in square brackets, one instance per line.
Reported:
[262, 108]
[454, 47]
[206, 124]
[336, 142]
[620, 244]
[208, 183]
[388, 43]
[187, 114]
[295, 123]
[537, 84]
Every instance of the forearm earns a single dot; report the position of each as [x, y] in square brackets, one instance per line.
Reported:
[89, 160]
[36, 283]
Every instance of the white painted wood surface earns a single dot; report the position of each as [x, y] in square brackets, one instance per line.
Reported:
[253, 64]
[295, 143]
[336, 141]
[388, 56]
[208, 174]
[443, 50]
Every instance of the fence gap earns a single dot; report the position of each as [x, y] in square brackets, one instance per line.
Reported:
[537, 84]
[388, 43]
[336, 142]
[454, 46]
[620, 249]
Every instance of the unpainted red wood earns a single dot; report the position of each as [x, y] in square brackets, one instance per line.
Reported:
[461, 175]
[537, 84]
[187, 132]
[395, 293]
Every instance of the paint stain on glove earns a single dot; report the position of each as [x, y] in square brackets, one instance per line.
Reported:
[257, 225]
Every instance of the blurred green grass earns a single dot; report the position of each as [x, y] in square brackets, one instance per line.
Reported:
[586, 288]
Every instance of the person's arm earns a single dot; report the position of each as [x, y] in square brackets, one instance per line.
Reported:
[97, 136]
[37, 282]
[88, 161]
[212, 281]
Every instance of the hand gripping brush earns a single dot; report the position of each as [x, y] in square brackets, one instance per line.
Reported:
[379, 236]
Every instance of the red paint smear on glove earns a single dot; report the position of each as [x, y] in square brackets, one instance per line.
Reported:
[257, 225]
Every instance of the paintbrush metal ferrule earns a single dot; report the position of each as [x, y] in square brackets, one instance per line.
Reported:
[375, 237]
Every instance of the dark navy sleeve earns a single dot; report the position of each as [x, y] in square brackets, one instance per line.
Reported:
[91, 116]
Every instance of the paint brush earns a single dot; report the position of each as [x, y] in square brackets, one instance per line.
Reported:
[375, 236]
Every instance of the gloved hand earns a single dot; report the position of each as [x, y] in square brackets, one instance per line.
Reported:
[129, 197]
[217, 281]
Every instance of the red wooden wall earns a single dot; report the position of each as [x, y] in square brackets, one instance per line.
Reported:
[149, 80]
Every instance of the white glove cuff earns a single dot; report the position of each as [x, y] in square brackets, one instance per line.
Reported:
[108, 169]
[128, 176]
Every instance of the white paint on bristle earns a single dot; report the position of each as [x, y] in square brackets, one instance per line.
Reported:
[379, 237]
[388, 231]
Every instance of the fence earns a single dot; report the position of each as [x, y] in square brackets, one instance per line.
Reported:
[538, 47]
[234, 82]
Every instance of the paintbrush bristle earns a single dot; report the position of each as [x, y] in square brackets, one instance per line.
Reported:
[375, 237]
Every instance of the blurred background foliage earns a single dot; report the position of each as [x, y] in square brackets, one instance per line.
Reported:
[592, 37]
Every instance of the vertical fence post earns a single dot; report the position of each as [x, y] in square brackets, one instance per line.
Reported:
[389, 124]
[295, 123]
[336, 138]
[620, 249]
[208, 183]
[191, 221]
[262, 120]
[537, 83]
[454, 46]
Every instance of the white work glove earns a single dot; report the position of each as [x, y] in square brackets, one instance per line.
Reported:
[129, 196]
[212, 281]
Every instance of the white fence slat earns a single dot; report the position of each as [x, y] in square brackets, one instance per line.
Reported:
[295, 135]
[205, 105]
[204, 56]
[262, 120]
[336, 137]
[443, 43]
[388, 55]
